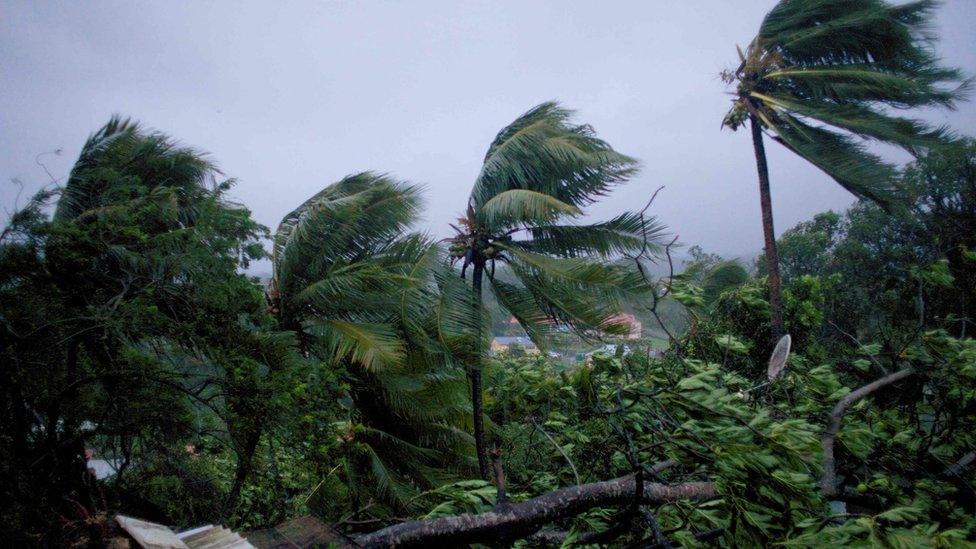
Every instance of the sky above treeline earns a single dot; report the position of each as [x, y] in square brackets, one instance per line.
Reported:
[290, 97]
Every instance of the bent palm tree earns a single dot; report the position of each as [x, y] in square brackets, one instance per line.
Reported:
[821, 73]
[366, 298]
[121, 163]
[538, 173]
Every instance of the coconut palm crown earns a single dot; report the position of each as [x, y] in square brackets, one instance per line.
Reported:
[822, 75]
[377, 305]
[538, 174]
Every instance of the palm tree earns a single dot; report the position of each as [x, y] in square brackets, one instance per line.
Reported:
[538, 174]
[121, 163]
[377, 303]
[822, 73]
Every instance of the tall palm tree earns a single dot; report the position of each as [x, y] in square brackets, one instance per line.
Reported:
[377, 303]
[538, 174]
[822, 73]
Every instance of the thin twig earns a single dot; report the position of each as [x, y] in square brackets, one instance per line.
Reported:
[560, 449]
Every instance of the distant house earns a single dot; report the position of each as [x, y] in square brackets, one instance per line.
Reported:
[503, 343]
[635, 328]
[609, 349]
[101, 468]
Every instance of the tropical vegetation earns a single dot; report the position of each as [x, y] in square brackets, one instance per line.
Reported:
[821, 75]
[146, 373]
[537, 175]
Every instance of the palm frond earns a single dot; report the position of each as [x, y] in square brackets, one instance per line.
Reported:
[628, 232]
[860, 172]
[576, 270]
[371, 345]
[543, 151]
[866, 83]
[538, 322]
[585, 295]
[911, 135]
[522, 207]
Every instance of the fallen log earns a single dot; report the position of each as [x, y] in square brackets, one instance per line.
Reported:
[518, 520]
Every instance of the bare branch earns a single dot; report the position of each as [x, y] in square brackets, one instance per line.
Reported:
[560, 449]
[828, 483]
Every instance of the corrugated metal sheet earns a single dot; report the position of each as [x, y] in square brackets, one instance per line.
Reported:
[214, 537]
[306, 531]
[150, 535]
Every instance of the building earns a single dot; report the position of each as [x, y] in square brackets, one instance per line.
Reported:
[635, 328]
[503, 343]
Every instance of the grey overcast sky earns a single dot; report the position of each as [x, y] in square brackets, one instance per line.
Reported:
[291, 96]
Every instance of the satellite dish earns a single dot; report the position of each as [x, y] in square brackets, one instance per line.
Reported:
[777, 360]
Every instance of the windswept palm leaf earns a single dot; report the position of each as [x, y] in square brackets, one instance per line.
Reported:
[625, 233]
[523, 206]
[821, 74]
[372, 345]
[543, 151]
[151, 160]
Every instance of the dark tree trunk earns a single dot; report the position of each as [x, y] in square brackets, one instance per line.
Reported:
[772, 257]
[245, 459]
[474, 375]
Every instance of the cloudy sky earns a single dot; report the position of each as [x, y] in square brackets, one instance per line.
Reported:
[291, 98]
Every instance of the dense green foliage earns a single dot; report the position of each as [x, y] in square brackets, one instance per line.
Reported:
[129, 330]
[347, 386]
[124, 318]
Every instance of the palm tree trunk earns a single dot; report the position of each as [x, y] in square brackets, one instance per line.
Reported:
[772, 257]
[474, 375]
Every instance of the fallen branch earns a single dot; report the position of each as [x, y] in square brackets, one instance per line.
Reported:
[622, 522]
[559, 449]
[828, 483]
[518, 520]
[501, 498]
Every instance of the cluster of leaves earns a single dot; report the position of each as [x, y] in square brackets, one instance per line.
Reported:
[594, 421]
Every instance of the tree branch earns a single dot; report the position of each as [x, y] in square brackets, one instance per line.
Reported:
[522, 519]
[559, 449]
[828, 483]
